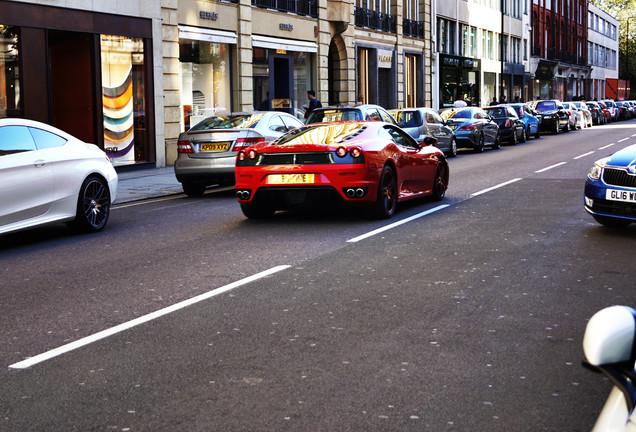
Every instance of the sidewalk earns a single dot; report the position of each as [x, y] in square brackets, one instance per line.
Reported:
[147, 183]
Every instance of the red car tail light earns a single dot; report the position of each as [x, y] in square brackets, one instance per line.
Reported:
[241, 143]
[251, 153]
[508, 123]
[241, 155]
[184, 147]
[341, 152]
[355, 152]
[468, 127]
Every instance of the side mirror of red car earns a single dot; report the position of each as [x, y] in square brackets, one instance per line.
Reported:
[428, 141]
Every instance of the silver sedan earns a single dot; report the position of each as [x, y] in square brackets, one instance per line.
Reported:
[423, 122]
[207, 152]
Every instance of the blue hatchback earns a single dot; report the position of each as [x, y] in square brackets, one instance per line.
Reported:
[533, 126]
[610, 189]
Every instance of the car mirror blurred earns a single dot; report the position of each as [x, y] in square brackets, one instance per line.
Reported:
[428, 141]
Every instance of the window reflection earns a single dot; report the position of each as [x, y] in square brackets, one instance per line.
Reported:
[9, 72]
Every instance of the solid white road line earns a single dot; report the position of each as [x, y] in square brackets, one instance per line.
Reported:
[398, 223]
[495, 187]
[550, 167]
[143, 319]
[583, 155]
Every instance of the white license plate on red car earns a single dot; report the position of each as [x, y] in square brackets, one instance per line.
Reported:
[290, 178]
[620, 195]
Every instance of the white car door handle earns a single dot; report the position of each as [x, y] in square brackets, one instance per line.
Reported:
[39, 163]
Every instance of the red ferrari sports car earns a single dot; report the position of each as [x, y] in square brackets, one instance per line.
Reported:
[360, 163]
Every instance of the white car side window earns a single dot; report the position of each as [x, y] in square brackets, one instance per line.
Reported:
[15, 139]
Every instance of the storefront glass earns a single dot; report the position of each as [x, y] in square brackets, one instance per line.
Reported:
[363, 76]
[9, 72]
[205, 80]
[123, 99]
[489, 89]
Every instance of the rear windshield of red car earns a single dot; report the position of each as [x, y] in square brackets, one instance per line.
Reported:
[325, 134]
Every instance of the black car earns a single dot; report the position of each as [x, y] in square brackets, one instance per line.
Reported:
[553, 116]
[511, 127]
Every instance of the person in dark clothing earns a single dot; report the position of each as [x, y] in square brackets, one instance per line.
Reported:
[313, 102]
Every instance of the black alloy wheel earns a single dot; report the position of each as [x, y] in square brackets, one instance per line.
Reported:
[496, 144]
[480, 144]
[386, 202]
[440, 185]
[93, 206]
[452, 151]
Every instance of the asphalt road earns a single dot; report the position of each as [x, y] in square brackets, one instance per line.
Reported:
[467, 318]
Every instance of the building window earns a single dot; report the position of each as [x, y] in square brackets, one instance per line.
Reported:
[363, 76]
[9, 72]
[123, 99]
[205, 80]
[411, 80]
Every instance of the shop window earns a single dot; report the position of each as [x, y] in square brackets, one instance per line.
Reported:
[10, 104]
[205, 79]
[123, 99]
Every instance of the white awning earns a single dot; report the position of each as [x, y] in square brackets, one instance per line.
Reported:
[207, 35]
[285, 44]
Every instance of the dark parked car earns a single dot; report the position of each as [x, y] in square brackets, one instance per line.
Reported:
[350, 113]
[423, 122]
[554, 118]
[528, 117]
[473, 128]
[598, 117]
[624, 110]
[511, 128]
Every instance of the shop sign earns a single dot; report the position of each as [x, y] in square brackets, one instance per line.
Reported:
[286, 27]
[385, 59]
[209, 15]
[460, 62]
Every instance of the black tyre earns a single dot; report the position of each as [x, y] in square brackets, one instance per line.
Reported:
[514, 140]
[193, 189]
[93, 205]
[496, 145]
[567, 127]
[557, 128]
[526, 134]
[257, 210]
[611, 222]
[452, 151]
[538, 134]
[441, 182]
[386, 202]
[480, 144]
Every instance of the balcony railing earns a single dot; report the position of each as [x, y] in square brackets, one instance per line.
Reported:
[413, 28]
[375, 20]
[300, 7]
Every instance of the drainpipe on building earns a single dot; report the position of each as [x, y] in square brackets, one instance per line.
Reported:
[501, 48]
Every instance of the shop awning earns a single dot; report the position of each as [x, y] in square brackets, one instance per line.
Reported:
[207, 35]
[284, 44]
